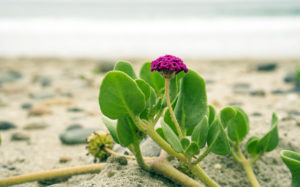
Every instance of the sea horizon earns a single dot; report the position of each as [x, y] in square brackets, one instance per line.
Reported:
[217, 29]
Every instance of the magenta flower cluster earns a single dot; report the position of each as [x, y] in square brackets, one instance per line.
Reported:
[168, 64]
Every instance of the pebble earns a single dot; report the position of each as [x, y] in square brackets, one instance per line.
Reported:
[209, 81]
[39, 111]
[110, 173]
[9, 76]
[76, 136]
[270, 66]
[218, 166]
[256, 114]
[104, 66]
[18, 136]
[259, 93]
[149, 148]
[74, 109]
[294, 112]
[35, 126]
[74, 126]
[278, 92]
[26, 106]
[41, 96]
[235, 103]
[45, 81]
[5, 125]
[118, 159]
[290, 77]
[48, 182]
[122, 150]
[63, 160]
[241, 86]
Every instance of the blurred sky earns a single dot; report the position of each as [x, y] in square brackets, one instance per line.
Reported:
[144, 28]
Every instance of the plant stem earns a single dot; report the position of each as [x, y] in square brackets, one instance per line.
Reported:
[126, 156]
[139, 156]
[163, 167]
[249, 171]
[65, 172]
[167, 89]
[157, 117]
[163, 144]
[203, 176]
[247, 165]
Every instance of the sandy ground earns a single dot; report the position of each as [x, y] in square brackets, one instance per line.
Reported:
[67, 90]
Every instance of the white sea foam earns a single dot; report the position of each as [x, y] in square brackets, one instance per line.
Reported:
[209, 37]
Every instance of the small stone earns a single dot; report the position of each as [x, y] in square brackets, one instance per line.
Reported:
[48, 182]
[218, 166]
[119, 149]
[76, 136]
[35, 126]
[235, 103]
[26, 106]
[149, 148]
[104, 66]
[256, 114]
[9, 76]
[74, 109]
[278, 92]
[18, 136]
[241, 86]
[45, 81]
[259, 93]
[271, 66]
[110, 173]
[74, 126]
[39, 111]
[290, 78]
[294, 112]
[209, 81]
[5, 125]
[41, 96]
[63, 160]
[118, 159]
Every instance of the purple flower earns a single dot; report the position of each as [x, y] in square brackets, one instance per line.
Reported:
[168, 65]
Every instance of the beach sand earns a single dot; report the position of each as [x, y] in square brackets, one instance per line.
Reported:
[64, 92]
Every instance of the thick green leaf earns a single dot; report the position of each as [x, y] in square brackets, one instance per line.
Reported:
[185, 142]
[125, 131]
[161, 133]
[120, 96]
[292, 161]
[191, 106]
[212, 114]
[217, 138]
[144, 87]
[126, 68]
[270, 140]
[238, 127]
[200, 132]
[251, 145]
[171, 137]
[153, 78]
[193, 149]
[227, 114]
[112, 128]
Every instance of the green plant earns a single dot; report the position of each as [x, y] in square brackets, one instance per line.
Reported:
[236, 123]
[168, 103]
[188, 125]
[292, 161]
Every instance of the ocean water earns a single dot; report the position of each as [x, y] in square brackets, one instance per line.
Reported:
[140, 28]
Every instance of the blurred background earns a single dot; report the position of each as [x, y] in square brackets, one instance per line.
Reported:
[142, 28]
